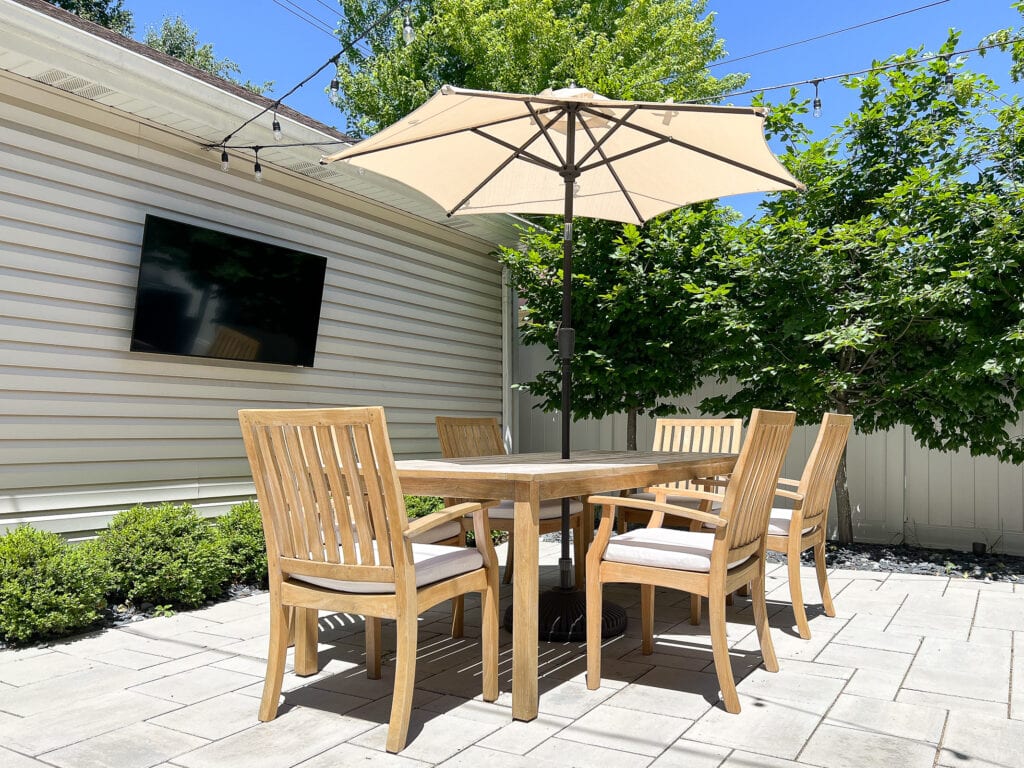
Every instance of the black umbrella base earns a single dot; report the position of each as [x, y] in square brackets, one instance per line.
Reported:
[562, 616]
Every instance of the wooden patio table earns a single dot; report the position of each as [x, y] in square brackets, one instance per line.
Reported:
[528, 479]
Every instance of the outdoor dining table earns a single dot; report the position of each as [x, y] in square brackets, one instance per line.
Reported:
[527, 479]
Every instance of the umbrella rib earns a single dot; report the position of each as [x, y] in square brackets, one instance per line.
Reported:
[517, 153]
[611, 169]
[619, 123]
[544, 129]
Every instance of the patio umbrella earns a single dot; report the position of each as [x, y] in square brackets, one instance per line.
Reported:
[575, 153]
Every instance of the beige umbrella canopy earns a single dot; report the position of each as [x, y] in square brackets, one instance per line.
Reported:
[485, 152]
[575, 153]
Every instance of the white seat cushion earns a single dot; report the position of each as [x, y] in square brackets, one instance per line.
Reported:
[433, 563]
[778, 523]
[444, 531]
[679, 501]
[663, 548]
[549, 509]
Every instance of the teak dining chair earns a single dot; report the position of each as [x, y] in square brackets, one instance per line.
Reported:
[809, 515]
[338, 539]
[708, 563]
[464, 437]
[697, 435]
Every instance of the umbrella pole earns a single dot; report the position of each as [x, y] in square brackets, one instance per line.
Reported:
[563, 610]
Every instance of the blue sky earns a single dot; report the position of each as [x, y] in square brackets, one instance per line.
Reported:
[269, 41]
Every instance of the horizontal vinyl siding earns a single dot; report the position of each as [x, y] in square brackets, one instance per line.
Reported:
[411, 316]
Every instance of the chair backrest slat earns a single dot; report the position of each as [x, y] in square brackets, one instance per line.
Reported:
[697, 436]
[819, 474]
[751, 489]
[327, 487]
[464, 437]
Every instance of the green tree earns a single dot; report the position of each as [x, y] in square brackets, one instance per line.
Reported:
[646, 49]
[108, 13]
[637, 294]
[176, 38]
[891, 289]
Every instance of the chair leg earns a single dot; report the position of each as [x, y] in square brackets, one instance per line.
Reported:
[764, 636]
[695, 606]
[720, 649]
[405, 681]
[306, 638]
[646, 619]
[458, 615]
[489, 637]
[373, 642]
[276, 655]
[594, 622]
[796, 592]
[509, 559]
[579, 549]
[819, 566]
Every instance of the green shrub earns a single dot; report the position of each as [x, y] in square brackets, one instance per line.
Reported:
[48, 587]
[241, 535]
[418, 506]
[165, 555]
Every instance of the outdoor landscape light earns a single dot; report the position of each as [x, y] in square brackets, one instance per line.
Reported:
[224, 164]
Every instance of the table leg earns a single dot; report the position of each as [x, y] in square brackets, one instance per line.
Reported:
[525, 625]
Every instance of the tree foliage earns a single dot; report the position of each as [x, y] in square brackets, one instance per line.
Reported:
[645, 49]
[892, 289]
[107, 13]
[637, 297]
[176, 38]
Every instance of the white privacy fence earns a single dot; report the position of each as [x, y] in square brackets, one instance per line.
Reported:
[900, 492]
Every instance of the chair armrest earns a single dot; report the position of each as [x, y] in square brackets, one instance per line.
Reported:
[434, 519]
[668, 509]
[797, 497]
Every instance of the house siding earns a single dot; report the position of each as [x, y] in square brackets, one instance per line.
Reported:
[411, 316]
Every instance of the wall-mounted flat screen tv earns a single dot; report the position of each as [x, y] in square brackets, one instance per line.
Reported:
[211, 294]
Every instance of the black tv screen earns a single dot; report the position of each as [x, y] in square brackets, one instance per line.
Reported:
[210, 294]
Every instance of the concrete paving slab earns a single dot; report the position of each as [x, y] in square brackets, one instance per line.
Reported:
[31, 668]
[999, 611]
[764, 727]
[140, 745]
[685, 753]
[195, 685]
[683, 693]
[9, 759]
[959, 668]
[917, 721]
[950, 703]
[575, 754]
[976, 739]
[519, 738]
[621, 730]
[834, 747]
[432, 736]
[213, 718]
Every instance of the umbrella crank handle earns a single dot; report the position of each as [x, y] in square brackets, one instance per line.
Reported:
[566, 343]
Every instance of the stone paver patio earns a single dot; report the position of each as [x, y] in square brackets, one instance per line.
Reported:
[914, 671]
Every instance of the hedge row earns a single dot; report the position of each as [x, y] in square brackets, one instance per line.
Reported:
[163, 557]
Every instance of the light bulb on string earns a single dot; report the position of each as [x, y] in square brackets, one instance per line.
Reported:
[332, 93]
[257, 169]
[816, 104]
[408, 33]
[276, 128]
[224, 162]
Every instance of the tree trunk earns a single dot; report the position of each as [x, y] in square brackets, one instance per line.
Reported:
[631, 429]
[844, 513]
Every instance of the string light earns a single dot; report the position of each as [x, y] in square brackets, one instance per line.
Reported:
[408, 33]
[817, 99]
